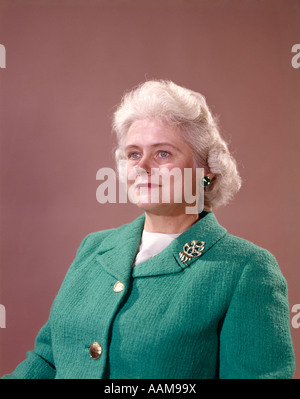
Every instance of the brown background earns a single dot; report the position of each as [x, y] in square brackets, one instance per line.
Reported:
[67, 65]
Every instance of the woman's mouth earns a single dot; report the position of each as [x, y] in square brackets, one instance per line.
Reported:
[147, 185]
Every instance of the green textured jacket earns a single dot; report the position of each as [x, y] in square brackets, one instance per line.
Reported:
[224, 314]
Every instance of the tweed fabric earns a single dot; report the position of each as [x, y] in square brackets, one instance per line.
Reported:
[223, 315]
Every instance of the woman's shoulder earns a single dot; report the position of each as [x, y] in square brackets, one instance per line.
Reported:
[92, 240]
[246, 246]
[244, 252]
[244, 262]
[234, 249]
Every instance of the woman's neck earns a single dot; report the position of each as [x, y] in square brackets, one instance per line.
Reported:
[169, 224]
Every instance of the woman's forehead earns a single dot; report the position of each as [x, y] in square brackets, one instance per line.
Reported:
[153, 132]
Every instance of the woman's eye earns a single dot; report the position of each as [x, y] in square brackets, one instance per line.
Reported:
[164, 154]
[133, 155]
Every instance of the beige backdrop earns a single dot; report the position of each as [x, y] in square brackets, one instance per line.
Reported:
[67, 65]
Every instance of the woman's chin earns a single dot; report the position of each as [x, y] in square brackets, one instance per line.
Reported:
[150, 206]
[155, 204]
[162, 209]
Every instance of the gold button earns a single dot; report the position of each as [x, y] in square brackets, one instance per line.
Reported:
[95, 350]
[118, 287]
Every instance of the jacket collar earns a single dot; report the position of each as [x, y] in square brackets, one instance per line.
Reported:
[117, 252]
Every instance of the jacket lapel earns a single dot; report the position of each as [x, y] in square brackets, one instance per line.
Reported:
[207, 230]
[117, 252]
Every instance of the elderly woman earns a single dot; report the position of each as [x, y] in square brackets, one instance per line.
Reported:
[172, 294]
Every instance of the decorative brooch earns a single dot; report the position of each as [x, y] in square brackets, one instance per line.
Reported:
[191, 250]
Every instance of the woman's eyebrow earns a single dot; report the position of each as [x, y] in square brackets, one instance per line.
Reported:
[128, 147]
[165, 144]
[153, 145]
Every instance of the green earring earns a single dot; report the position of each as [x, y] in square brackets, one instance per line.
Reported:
[205, 181]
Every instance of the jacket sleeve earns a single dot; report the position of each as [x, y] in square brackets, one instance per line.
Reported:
[39, 363]
[255, 339]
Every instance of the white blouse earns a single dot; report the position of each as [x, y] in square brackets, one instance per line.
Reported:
[152, 244]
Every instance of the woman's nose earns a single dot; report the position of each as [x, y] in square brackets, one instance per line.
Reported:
[144, 166]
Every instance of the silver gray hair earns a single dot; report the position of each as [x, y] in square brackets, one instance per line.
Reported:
[175, 105]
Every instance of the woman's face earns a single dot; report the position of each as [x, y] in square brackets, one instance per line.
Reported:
[156, 158]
